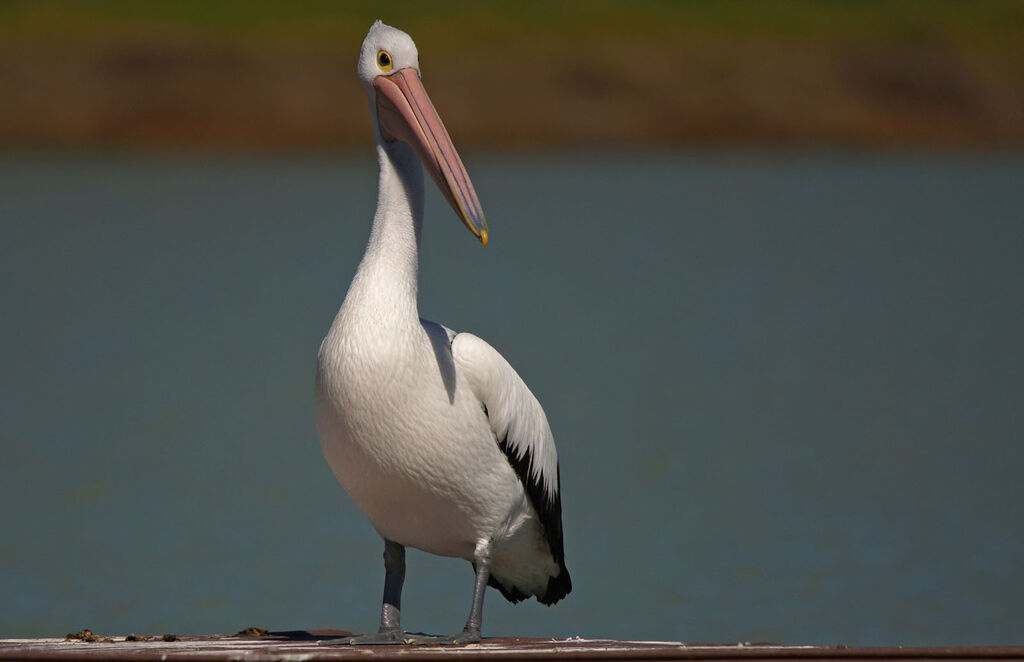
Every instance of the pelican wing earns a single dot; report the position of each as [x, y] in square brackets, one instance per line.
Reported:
[520, 428]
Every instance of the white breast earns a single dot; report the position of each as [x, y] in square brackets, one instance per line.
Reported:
[413, 449]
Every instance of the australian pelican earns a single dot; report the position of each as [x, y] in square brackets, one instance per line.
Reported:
[431, 432]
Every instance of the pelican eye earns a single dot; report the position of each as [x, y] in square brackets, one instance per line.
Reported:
[384, 61]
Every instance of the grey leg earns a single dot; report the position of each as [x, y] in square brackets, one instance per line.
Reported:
[471, 633]
[391, 610]
[394, 578]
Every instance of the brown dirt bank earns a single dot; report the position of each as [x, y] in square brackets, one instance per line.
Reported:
[256, 76]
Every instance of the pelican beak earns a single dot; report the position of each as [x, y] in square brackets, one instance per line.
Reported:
[404, 112]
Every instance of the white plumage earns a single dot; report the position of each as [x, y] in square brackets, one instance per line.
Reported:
[432, 433]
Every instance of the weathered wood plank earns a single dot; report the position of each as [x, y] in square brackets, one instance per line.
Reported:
[304, 646]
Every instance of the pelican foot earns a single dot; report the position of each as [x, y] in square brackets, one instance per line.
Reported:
[402, 638]
[467, 636]
[383, 637]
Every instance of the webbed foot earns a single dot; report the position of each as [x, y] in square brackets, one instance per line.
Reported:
[467, 636]
[382, 637]
[402, 638]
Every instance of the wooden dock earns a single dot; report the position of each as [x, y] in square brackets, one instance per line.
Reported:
[302, 646]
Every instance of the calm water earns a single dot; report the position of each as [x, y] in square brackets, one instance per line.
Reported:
[787, 389]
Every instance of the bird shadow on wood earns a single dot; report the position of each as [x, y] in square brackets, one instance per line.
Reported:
[307, 635]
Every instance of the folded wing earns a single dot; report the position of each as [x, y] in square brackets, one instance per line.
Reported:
[522, 432]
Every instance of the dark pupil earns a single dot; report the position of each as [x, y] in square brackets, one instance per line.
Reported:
[384, 60]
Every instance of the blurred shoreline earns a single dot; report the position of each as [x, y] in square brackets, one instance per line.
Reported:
[280, 76]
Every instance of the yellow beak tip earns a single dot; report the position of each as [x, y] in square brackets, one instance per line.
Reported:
[483, 237]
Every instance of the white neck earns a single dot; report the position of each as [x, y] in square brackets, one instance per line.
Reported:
[387, 276]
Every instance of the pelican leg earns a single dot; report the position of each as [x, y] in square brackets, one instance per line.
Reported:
[471, 633]
[394, 578]
[391, 610]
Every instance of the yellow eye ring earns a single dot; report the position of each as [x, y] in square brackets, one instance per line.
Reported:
[384, 61]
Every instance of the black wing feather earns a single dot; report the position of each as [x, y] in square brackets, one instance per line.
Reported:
[549, 510]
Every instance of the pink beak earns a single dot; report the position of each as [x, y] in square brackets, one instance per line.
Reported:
[404, 112]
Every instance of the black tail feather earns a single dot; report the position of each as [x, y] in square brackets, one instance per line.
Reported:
[549, 511]
[558, 587]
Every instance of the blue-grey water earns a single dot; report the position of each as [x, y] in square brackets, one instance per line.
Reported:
[787, 391]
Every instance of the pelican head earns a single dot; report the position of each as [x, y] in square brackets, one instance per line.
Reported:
[389, 69]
